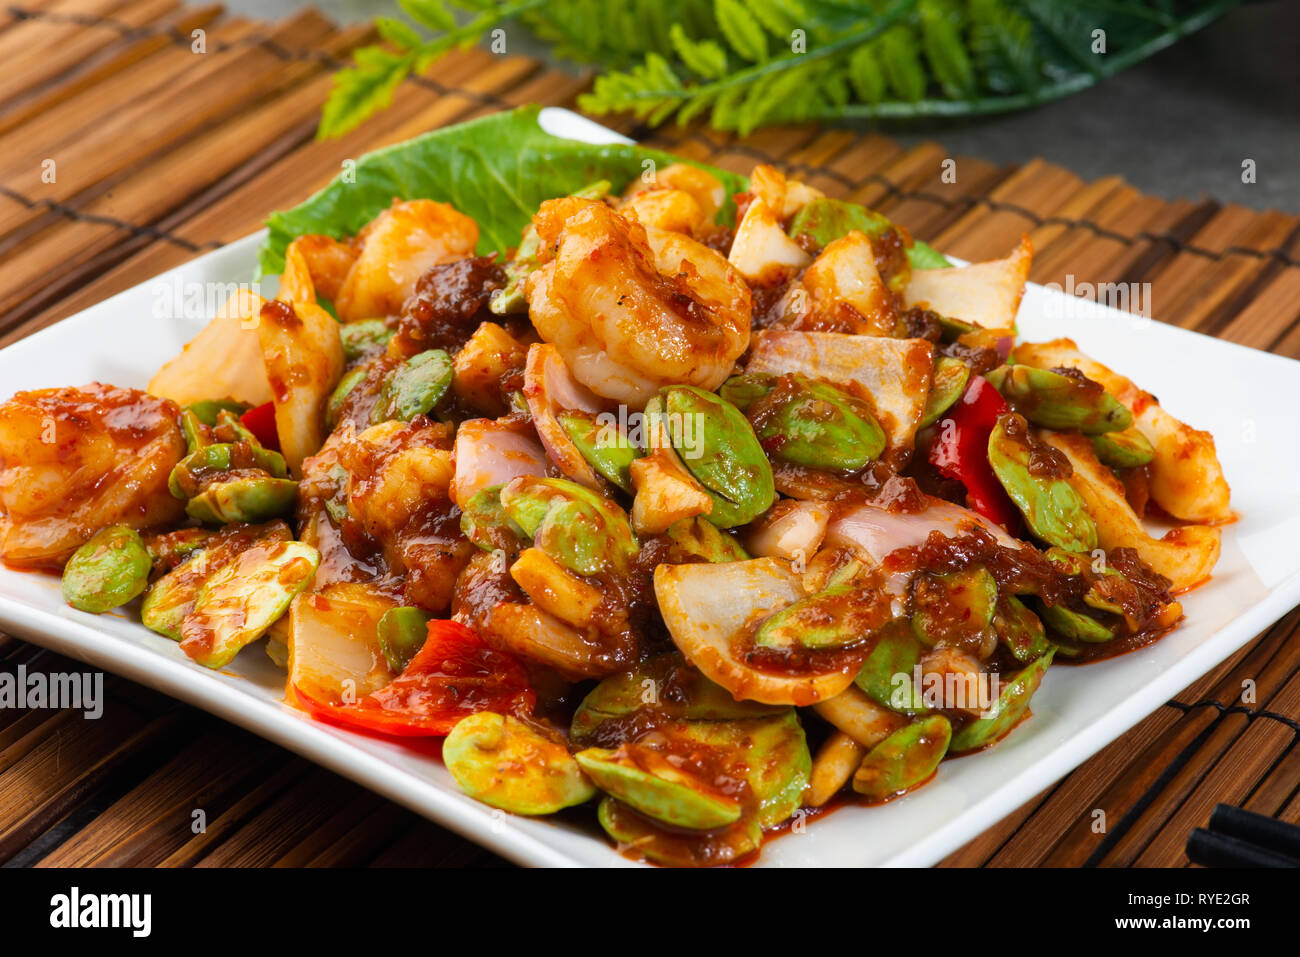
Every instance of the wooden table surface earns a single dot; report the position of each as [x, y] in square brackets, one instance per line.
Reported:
[164, 153]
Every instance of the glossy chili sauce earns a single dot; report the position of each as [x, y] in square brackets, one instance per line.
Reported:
[449, 302]
[1044, 461]
[1141, 593]
[199, 631]
[362, 398]
[654, 734]
[624, 628]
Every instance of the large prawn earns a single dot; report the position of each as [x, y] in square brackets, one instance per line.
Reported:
[632, 308]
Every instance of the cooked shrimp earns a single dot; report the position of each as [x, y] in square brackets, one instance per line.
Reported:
[632, 309]
[398, 491]
[700, 185]
[784, 197]
[397, 248]
[396, 469]
[674, 210]
[75, 460]
[327, 260]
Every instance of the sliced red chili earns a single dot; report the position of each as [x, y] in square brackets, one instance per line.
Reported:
[453, 675]
[261, 422]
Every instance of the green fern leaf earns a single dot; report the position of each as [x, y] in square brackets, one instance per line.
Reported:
[429, 13]
[901, 59]
[726, 112]
[1002, 41]
[941, 37]
[398, 32]
[733, 59]
[704, 58]
[742, 30]
[781, 17]
[865, 73]
[361, 90]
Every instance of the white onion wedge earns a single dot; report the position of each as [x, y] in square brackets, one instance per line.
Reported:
[790, 530]
[492, 452]
[224, 361]
[844, 274]
[707, 607]
[877, 532]
[761, 251]
[895, 372]
[550, 389]
[333, 639]
[987, 294]
[302, 353]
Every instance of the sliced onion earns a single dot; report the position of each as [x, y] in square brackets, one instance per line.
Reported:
[333, 639]
[550, 389]
[878, 532]
[302, 353]
[987, 294]
[492, 452]
[894, 372]
[706, 608]
[790, 530]
[761, 251]
[223, 361]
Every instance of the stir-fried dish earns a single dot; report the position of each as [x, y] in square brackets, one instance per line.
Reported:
[705, 511]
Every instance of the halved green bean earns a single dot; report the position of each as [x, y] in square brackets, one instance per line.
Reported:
[402, 632]
[1013, 702]
[107, 571]
[414, 388]
[509, 764]
[946, 387]
[664, 793]
[604, 449]
[906, 758]
[245, 498]
[239, 603]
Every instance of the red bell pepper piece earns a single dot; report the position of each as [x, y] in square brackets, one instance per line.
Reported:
[961, 451]
[453, 675]
[261, 422]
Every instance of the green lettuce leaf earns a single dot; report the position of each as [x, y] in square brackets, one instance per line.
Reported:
[496, 170]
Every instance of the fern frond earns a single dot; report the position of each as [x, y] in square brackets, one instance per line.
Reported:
[737, 62]
[743, 32]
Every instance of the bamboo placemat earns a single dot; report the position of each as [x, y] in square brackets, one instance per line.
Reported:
[162, 153]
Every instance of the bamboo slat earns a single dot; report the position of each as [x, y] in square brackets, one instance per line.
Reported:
[32, 67]
[103, 69]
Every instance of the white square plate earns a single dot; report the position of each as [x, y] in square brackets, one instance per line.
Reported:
[1246, 398]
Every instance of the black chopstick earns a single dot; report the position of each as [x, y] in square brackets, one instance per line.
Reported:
[1263, 831]
[1238, 838]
